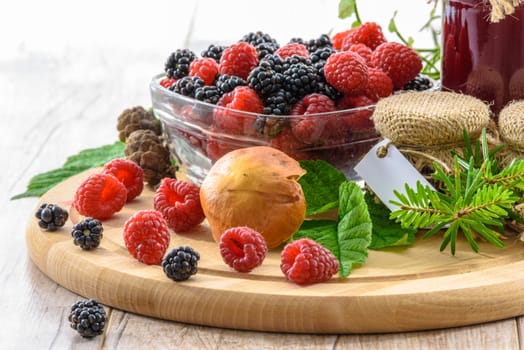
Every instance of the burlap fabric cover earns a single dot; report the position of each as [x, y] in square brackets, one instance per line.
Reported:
[511, 132]
[426, 126]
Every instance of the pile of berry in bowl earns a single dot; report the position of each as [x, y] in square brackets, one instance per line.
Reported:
[312, 99]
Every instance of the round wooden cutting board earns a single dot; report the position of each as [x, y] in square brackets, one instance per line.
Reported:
[396, 290]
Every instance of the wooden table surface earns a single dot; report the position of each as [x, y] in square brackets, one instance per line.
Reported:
[67, 70]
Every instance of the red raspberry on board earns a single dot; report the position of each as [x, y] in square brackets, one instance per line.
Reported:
[129, 173]
[363, 51]
[179, 203]
[305, 261]
[347, 72]
[292, 49]
[397, 60]
[204, 68]
[146, 236]
[369, 34]
[167, 82]
[242, 248]
[100, 196]
[232, 120]
[339, 37]
[379, 84]
[238, 59]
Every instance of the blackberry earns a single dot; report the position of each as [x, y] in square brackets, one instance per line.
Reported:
[278, 103]
[275, 62]
[180, 263]
[255, 38]
[214, 52]
[327, 89]
[321, 54]
[419, 83]
[321, 42]
[87, 233]
[226, 83]
[265, 49]
[209, 93]
[269, 126]
[51, 216]
[187, 86]
[297, 40]
[290, 61]
[300, 79]
[88, 318]
[177, 64]
[264, 80]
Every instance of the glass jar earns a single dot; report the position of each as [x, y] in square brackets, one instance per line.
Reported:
[480, 58]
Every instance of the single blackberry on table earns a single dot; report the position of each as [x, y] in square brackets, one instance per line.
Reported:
[259, 37]
[87, 233]
[214, 52]
[177, 64]
[187, 86]
[181, 263]
[88, 318]
[278, 103]
[419, 83]
[209, 93]
[300, 79]
[51, 216]
[227, 83]
[264, 80]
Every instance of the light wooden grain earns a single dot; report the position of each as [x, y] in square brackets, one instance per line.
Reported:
[57, 82]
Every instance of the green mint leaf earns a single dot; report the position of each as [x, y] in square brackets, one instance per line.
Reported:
[386, 232]
[346, 8]
[320, 186]
[347, 238]
[86, 159]
[354, 227]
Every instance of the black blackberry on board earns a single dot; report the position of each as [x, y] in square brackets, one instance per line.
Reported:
[181, 263]
[51, 216]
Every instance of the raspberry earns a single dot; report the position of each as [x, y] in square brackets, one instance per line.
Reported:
[369, 34]
[313, 104]
[181, 263]
[88, 318]
[51, 216]
[87, 233]
[242, 248]
[288, 143]
[167, 82]
[204, 68]
[292, 49]
[100, 196]
[347, 72]
[146, 236]
[363, 50]
[179, 203]
[379, 84]
[339, 37]
[238, 59]
[397, 60]
[305, 262]
[129, 173]
[230, 120]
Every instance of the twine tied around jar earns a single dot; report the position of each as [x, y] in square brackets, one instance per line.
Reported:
[502, 8]
[511, 129]
[427, 126]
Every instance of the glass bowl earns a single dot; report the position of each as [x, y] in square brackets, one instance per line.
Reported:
[199, 133]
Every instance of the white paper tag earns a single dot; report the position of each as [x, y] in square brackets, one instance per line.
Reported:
[392, 172]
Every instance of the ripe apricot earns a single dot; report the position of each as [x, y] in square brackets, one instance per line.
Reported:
[255, 187]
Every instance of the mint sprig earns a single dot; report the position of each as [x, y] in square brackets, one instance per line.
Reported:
[84, 160]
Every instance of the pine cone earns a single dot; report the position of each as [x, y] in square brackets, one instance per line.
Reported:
[137, 118]
[147, 149]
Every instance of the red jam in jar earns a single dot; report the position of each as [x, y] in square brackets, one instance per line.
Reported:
[480, 58]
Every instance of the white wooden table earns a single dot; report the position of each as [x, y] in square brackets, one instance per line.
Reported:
[67, 69]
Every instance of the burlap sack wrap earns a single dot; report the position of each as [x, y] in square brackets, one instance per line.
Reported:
[511, 132]
[427, 126]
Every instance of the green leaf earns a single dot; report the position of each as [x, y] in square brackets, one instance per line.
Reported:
[320, 186]
[346, 8]
[86, 159]
[386, 232]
